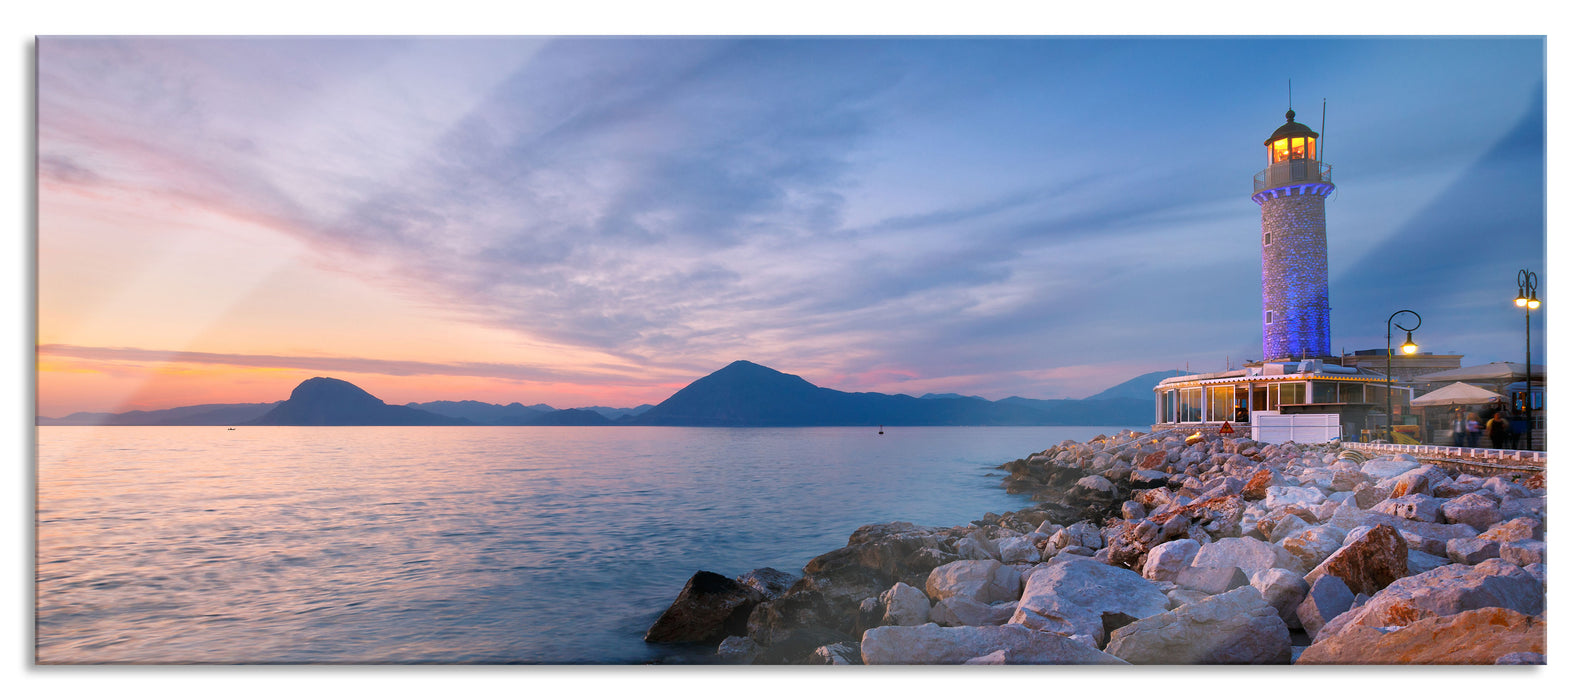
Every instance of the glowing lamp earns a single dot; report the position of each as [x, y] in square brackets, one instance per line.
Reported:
[1408, 347]
[1532, 303]
[1521, 301]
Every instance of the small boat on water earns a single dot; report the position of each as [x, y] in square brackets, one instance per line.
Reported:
[881, 430]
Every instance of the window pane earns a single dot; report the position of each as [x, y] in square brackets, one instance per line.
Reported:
[1324, 392]
[1350, 393]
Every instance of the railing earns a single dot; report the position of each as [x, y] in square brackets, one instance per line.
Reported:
[1290, 172]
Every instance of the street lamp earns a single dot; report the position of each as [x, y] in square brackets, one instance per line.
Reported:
[1527, 300]
[1408, 348]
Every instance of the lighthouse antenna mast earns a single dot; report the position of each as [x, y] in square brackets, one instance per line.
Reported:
[1322, 119]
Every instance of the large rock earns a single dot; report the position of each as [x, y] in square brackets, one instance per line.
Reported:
[1072, 597]
[1524, 552]
[1165, 560]
[1237, 627]
[1093, 488]
[1328, 597]
[1284, 590]
[770, 583]
[1368, 563]
[1480, 636]
[1250, 554]
[1445, 591]
[709, 608]
[1306, 496]
[1212, 580]
[963, 611]
[1473, 509]
[1515, 529]
[904, 605]
[738, 650]
[1415, 506]
[1471, 550]
[1310, 546]
[983, 580]
[875, 557]
[932, 644]
[1019, 550]
[1387, 468]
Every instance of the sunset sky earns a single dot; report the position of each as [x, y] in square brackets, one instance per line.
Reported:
[599, 221]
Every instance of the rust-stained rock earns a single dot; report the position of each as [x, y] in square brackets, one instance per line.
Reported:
[1369, 563]
[1258, 486]
[1478, 636]
[1514, 530]
[1151, 460]
[1445, 591]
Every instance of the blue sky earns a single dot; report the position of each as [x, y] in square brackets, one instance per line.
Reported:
[1043, 217]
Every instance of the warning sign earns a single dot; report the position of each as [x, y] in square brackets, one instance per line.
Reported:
[1226, 429]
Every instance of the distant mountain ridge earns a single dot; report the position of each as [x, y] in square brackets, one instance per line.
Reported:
[741, 394]
[327, 401]
[744, 394]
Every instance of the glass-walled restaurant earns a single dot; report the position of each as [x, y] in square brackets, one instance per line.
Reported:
[1233, 396]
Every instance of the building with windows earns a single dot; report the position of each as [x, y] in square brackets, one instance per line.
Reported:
[1298, 376]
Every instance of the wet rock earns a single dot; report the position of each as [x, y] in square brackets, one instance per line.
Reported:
[841, 654]
[1479, 636]
[1237, 627]
[799, 645]
[932, 644]
[774, 622]
[770, 583]
[1072, 597]
[986, 581]
[737, 650]
[709, 608]
[1367, 564]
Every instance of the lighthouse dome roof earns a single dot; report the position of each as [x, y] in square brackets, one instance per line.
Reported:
[1290, 128]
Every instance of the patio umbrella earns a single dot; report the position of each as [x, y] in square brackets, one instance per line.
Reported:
[1457, 394]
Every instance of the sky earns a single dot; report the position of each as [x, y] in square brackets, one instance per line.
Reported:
[600, 221]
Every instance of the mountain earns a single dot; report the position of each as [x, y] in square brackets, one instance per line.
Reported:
[745, 394]
[326, 401]
[487, 413]
[205, 414]
[1139, 387]
[616, 413]
[740, 394]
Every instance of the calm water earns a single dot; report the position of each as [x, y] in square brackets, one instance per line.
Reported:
[456, 545]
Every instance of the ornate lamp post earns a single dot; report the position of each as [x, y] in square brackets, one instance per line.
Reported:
[1527, 300]
[1407, 348]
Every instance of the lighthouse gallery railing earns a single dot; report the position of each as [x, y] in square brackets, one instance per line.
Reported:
[1290, 172]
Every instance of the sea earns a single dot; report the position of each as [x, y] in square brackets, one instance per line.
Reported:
[457, 545]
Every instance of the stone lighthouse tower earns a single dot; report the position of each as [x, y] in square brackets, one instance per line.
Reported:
[1291, 192]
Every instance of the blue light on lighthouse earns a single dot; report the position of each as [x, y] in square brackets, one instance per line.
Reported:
[1290, 191]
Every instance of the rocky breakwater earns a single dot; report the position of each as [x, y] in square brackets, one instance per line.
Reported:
[1167, 550]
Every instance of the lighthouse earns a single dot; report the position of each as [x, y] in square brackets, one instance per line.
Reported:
[1291, 190]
